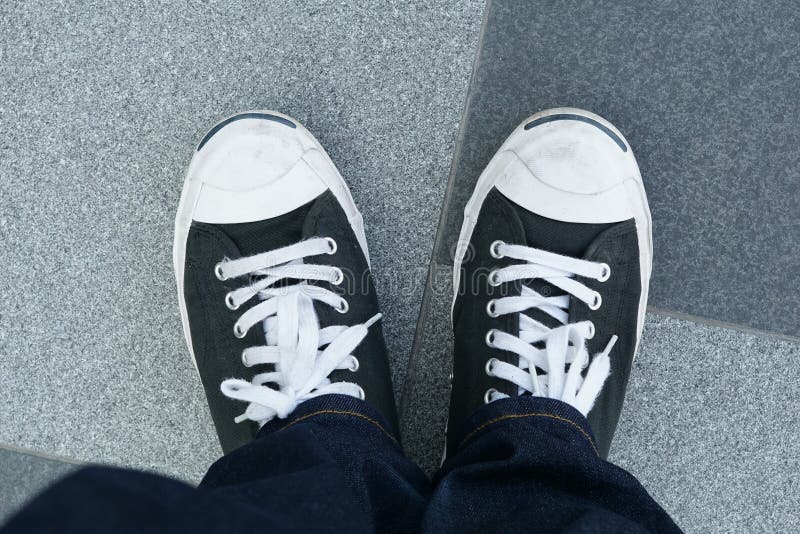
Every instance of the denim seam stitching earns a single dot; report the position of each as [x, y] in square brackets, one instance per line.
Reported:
[522, 415]
[339, 412]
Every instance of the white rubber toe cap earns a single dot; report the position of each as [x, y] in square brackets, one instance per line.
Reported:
[569, 165]
[251, 167]
[255, 166]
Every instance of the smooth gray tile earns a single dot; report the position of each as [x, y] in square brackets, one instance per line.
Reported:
[23, 475]
[707, 93]
[710, 424]
[100, 106]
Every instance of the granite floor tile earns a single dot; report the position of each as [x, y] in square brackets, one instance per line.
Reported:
[707, 94]
[100, 106]
[23, 475]
[710, 426]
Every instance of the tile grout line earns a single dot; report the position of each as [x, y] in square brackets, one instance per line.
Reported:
[706, 321]
[40, 454]
[697, 319]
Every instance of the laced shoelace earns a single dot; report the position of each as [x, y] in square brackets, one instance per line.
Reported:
[564, 356]
[303, 354]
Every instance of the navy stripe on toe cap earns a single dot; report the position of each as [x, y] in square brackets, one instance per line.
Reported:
[252, 115]
[580, 118]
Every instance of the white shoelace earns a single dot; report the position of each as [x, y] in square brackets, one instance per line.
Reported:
[303, 355]
[564, 355]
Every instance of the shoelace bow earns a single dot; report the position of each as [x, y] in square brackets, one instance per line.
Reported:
[303, 355]
[564, 356]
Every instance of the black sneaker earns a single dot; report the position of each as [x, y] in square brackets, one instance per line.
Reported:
[551, 272]
[276, 297]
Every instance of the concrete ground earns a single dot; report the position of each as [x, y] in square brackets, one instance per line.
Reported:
[101, 104]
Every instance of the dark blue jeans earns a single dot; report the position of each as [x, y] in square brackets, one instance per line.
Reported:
[524, 465]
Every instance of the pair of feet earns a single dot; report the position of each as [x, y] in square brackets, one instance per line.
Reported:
[278, 304]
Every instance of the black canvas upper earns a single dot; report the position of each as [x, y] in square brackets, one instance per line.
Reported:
[218, 352]
[615, 244]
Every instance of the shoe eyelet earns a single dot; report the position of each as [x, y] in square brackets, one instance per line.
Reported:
[244, 360]
[344, 307]
[490, 309]
[339, 277]
[494, 279]
[361, 394]
[490, 338]
[494, 249]
[488, 367]
[332, 246]
[591, 330]
[229, 302]
[487, 397]
[597, 302]
[606, 273]
[238, 332]
[218, 272]
[354, 367]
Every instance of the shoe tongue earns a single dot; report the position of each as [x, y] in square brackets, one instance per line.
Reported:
[263, 236]
[566, 238]
[559, 237]
[545, 289]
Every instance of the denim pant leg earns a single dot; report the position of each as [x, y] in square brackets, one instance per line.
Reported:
[333, 466]
[530, 464]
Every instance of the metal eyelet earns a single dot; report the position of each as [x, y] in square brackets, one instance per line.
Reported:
[490, 309]
[493, 279]
[353, 368]
[591, 330]
[218, 272]
[238, 332]
[490, 337]
[339, 276]
[344, 308]
[595, 304]
[487, 397]
[494, 249]
[489, 363]
[361, 394]
[244, 360]
[332, 246]
[606, 273]
[229, 302]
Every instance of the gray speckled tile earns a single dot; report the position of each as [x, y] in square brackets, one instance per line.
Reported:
[23, 475]
[100, 107]
[426, 398]
[710, 424]
[707, 93]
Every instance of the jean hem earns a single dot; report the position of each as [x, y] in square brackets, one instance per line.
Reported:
[332, 405]
[513, 410]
